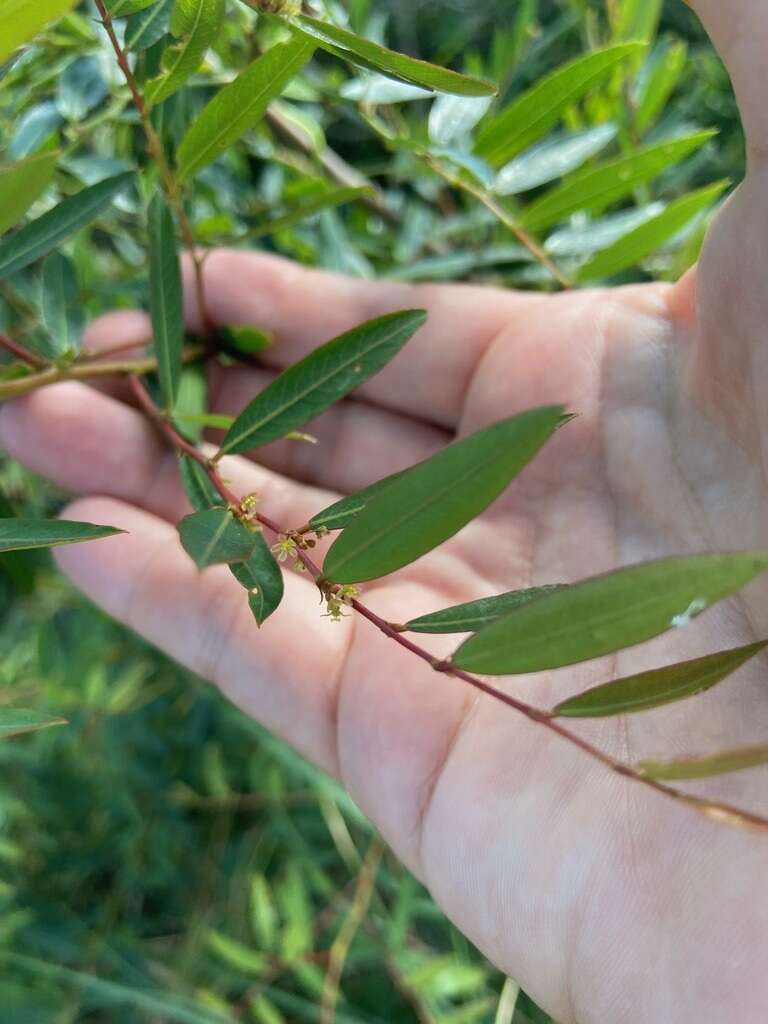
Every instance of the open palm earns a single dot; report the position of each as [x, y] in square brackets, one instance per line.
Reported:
[608, 903]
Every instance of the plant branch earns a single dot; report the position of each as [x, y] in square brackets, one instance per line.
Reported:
[22, 353]
[715, 810]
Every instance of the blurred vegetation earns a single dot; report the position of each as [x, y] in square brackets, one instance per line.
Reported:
[161, 857]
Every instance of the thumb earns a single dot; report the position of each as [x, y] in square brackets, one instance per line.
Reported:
[739, 30]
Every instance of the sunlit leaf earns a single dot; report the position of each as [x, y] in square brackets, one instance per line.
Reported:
[24, 534]
[235, 955]
[22, 183]
[39, 237]
[552, 159]
[607, 613]
[21, 20]
[368, 54]
[595, 189]
[657, 688]
[263, 579]
[197, 22]
[166, 297]
[241, 105]
[214, 536]
[62, 307]
[453, 117]
[532, 115]
[629, 250]
[706, 767]
[16, 721]
[434, 500]
[657, 82]
[329, 373]
[475, 615]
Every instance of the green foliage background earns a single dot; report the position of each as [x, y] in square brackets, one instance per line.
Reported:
[161, 857]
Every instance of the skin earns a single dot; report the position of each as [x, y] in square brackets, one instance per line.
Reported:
[607, 902]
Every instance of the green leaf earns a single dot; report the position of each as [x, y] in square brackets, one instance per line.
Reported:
[308, 208]
[22, 184]
[552, 159]
[434, 500]
[23, 534]
[475, 615]
[686, 769]
[166, 297]
[198, 21]
[262, 578]
[367, 54]
[629, 250]
[607, 613]
[15, 721]
[21, 20]
[657, 83]
[214, 536]
[197, 485]
[80, 88]
[148, 26]
[63, 313]
[47, 232]
[654, 689]
[121, 8]
[533, 114]
[241, 105]
[237, 956]
[326, 375]
[341, 513]
[595, 189]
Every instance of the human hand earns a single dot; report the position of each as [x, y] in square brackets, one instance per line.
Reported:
[607, 903]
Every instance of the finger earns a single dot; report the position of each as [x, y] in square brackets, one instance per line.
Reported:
[203, 621]
[739, 29]
[90, 443]
[357, 443]
[304, 308]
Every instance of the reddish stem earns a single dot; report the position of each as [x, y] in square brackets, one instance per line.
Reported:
[22, 353]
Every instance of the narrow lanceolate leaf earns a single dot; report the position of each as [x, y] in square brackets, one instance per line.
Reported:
[198, 22]
[22, 183]
[595, 189]
[240, 106]
[63, 313]
[533, 114]
[21, 20]
[325, 376]
[686, 769]
[475, 615]
[197, 485]
[654, 689]
[47, 232]
[649, 237]
[341, 513]
[263, 579]
[214, 536]
[24, 534]
[607, 613]
[166, 297]
[435, 499]
[148, 26]
[15, 721]
[552, 159]
[367, 54]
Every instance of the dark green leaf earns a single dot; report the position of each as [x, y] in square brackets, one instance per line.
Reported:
[475, 615]
[197, 485]
[263, 579]
[22, 183]
[121, 8]
[595, 189]
[21, 20]
[214, 536]
[326, 375]
[534, 113]
[368, 54]
[63, 313]
[47, 232]
[607, 613]
[706, 767]
[148, 26]
[241, 105]
[23, 534]
[654, 689]
[80, 88]
[435, 499]
[166, 297]
[341, 513]
[198, 22]
[633, 247]
[15, 721]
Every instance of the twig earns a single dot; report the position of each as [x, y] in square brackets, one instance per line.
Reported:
[715, 810]
[22, 353]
